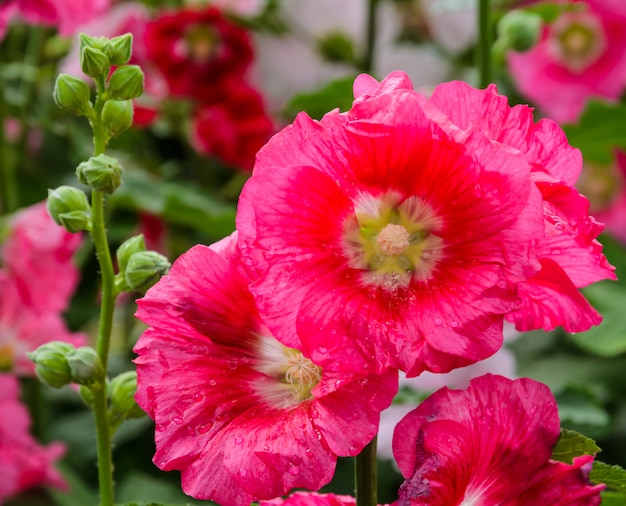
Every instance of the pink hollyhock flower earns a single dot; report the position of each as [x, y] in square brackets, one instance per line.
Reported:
[233, 128]
[195, 49]
[490, 445]
[246, 8]
[400, 231]
[24, 328]
[581, 55]
[65, 15]
[38, 255]
[311, 499]
[24, 463]
[569, 254]
[241, 415]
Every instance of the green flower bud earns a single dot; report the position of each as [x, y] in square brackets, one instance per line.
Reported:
[336, 47]
[101, 172]
[94, 62]
[72, 94]
[51, 364]
[126, 83]
[144, 269]
[69, 208]
[119, 49]
[86, 394]
[128, 248]
[85, 365]
[519, 29]
[100, 43]
[117, 116]
[122, 393]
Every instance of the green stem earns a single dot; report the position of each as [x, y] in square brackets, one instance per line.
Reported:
[365, 476]
[104, 444]
[368, 58]
[98, 233]
[485, 43]
[9, 201]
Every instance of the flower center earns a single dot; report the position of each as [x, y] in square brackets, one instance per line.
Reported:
[601, 184]
[578, 40]
[392, 240]
[7, 354]
[292, 376]
[200, 44]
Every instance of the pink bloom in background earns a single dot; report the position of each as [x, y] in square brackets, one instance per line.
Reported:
[579, 56]
[24, 463]
[311, 499]
[570, 256]
[242, 416]
[38, 255]
[66, 15]
[490, 445]
[399, 232]
[195, 49]
[234, 128]
[245, 8]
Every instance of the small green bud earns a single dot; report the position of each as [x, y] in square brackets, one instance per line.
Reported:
[101, 172]
[51, 364]
[144, 269]
[119, 49]
[85, 365]
[86, 41]
[117, 116]
[122, 391]
[519, 29]
[128, 248]
[126, 83]
[69, 208]
[336, 47]
[72, 94]
[86, 394]
[94, 62]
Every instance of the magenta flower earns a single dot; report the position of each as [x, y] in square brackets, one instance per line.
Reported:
[399, 232]
[23, 462]
[66, 15]
[311, 499]
[241, 415]
[490, 445]
[581, 55]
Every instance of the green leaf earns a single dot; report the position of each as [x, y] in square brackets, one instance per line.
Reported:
[571, 444]
[599, 132]
[579, 405]
[607, 339]
[614, 477]
[613, 499]
[550, 11]
[337, 94]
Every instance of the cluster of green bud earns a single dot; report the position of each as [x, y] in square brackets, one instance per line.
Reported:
[69, 208]
[58, 363]
[122, 391]
[138, 269]
[102, 173]
[97, 56]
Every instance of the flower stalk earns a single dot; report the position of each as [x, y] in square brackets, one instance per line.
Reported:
[365, 476]
[485, 41]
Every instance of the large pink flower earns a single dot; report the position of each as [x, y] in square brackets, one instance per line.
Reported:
[23, 462]
[581, 55]
[490, 445]
[38, 255]
[398, 234]
[569, 254]
[243, 416]
[66, 15]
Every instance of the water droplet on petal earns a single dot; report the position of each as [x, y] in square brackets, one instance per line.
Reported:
[212, 383]
[243, 472]
[177, 420]
[323, 350]
[160, 427]
[197, 397]
[293, 469]
[203, 429]
[438, 321]
[315, 414]
[238, 440]
[454, 324]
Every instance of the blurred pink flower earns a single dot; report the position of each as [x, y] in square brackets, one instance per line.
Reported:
[241, 415]
[311, 499]
[24, 463]
[66, 15]
[490, 444]
[244, 8]
[38, 255]
[579, 56]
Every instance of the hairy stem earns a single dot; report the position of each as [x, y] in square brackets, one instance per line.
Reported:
[485, 43]
[365, 476]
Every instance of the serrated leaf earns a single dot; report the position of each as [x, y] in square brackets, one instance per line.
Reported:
[614, 477]
[336, 94]
[599, 132]
[571, 444]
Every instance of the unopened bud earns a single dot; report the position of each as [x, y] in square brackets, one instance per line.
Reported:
[144, 269]
[72, 94]
[336, 47]
[94, 62]
[69, 208]
[101, 172]
[519, 30]
[122, 393]
[128, 248]
[117, 116]
[85, 365]
[126, 83]
[119, 49]
[51, 365]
